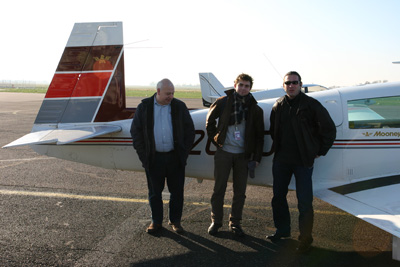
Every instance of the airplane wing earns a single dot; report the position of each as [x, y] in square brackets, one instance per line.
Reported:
[65, 135]
[375, 201]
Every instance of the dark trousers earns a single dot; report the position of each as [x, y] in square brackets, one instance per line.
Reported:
[224, 162]
[282, 174]
[166, 166]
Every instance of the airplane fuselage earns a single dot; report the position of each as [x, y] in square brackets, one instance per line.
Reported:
[346, 161]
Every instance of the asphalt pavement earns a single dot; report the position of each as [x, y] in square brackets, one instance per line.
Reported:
[60, 213]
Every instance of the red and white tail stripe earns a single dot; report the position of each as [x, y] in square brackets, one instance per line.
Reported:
[88, 85]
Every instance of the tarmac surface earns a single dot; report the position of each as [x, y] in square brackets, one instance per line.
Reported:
[60, 213]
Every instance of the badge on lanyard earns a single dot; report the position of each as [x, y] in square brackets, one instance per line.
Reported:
[237, 135]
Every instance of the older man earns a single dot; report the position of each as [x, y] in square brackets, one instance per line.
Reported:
[163, 133]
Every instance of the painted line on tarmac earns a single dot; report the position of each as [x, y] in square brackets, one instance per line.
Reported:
[137, 200]
[112, 244]
[70, 196]
[27, 159]
[16, 162]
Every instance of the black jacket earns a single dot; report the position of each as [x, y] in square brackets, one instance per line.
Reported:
[254, 132]
[313, 127]
[143, 134]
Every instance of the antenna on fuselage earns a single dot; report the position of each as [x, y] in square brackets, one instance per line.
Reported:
[127, 46]
[273, 66]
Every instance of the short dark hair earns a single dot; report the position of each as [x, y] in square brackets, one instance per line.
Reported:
[293, 73]
[245, 77]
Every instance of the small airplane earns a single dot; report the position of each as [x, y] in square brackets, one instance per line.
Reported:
[84, 118]
[212, 88]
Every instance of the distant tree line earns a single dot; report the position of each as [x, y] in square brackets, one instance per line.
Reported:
[377, 81]
[359, 84]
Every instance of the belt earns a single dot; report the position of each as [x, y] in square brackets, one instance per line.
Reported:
[169, 152]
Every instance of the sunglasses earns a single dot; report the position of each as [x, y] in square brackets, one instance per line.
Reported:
[292, 82]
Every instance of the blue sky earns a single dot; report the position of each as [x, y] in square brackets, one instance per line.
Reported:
[333, 43]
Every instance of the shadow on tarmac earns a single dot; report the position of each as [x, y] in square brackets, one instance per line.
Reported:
[206, 252]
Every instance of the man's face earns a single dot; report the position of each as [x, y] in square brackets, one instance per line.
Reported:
[165, 94]
[242, 87]
[291, 88]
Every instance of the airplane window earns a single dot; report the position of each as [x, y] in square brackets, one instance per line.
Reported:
[371, 113]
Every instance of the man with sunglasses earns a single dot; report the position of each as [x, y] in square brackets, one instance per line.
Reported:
[302, 130]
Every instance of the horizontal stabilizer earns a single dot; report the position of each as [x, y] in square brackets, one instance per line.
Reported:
[65, 135]
[379, 205]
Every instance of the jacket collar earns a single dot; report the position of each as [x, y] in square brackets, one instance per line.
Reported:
[151, 99]
[230, 93]
[282, 98]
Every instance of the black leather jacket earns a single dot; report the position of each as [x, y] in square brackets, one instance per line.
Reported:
[143, 134]
[313, 127]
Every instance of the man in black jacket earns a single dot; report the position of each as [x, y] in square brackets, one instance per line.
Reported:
[163, 134]
[302, 130]
[239, 138]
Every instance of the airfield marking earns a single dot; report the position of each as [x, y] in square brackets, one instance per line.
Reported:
[136, 200]
[112, 244]
[14, 112]
[70, 196]
[27, 159]
[11, 165]
[18, 161]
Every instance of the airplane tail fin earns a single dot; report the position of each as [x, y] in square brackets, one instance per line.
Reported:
[211, 88]
[88, 85]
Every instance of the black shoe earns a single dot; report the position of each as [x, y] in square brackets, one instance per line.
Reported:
[153, 228]
[213, 229]
[236, 229]
[277, 236]
[177, 228]
[303, 248]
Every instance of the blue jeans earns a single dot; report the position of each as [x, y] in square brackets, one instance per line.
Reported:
[166, 166]
[282, 174]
